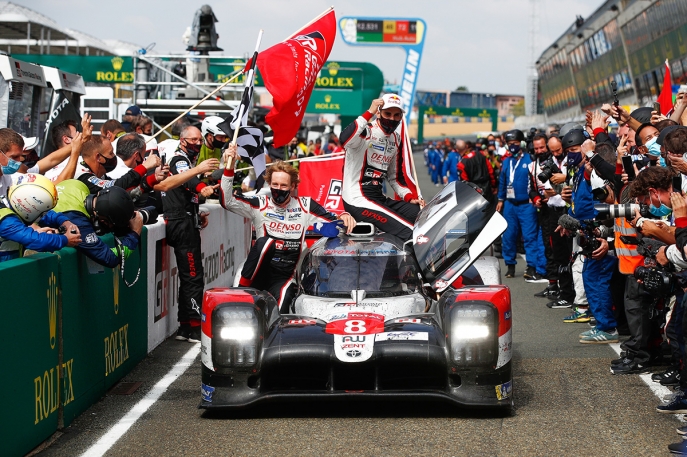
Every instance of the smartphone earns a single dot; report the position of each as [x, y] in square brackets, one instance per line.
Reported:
[657, 107]
[629, 168]
[162, 158]
[614, 90]
[677, 183]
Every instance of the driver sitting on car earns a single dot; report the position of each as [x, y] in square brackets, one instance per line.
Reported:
[280, 223]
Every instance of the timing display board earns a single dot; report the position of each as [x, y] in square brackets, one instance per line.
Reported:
[385, 31]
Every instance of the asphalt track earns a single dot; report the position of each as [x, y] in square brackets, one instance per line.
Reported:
[566, 403]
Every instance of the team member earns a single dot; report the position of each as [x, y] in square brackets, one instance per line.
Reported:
[474, 167]
[15, 216]
[374, 152]
[450, 169]
[280, 222]
[214, 138]
[179, 194]
[517, 199]
[109, 211]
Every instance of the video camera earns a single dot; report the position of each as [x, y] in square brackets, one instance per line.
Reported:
[656, 278]
[591, 230]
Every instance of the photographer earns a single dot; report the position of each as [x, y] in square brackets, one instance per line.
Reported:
[109, 211]
[560, 288]
[598, 267]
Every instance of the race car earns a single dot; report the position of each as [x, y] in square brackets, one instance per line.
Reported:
[375, 318]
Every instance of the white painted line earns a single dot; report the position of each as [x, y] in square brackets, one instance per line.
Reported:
[121, 427]
[662, 392]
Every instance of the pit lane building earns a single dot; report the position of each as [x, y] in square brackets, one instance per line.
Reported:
[623, 40]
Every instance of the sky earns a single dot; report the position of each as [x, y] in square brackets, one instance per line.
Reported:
[481, 44]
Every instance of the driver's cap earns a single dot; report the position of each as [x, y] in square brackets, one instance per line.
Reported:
[392, 101]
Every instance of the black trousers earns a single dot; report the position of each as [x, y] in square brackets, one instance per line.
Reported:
[263, 272]
[558, 251]
[184, 237]
[637, 306]
[390, 216]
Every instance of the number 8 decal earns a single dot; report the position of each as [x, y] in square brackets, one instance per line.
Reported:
[355, 326]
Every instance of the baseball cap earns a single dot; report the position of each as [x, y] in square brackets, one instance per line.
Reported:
[133, 110]
[664, 133]
[392, 101]
[30, 142]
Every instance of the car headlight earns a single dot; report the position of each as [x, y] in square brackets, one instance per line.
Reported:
[473, 334]
[237, 336]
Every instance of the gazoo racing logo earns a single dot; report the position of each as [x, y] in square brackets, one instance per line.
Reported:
[280, 227]
[370, 173]
[375, 216]
[333, 201]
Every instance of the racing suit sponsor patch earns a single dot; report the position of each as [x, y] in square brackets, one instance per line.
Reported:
[91, 238]
[182, 166]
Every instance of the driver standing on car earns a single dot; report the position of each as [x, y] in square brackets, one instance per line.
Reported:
[374, 153]
[280, 222]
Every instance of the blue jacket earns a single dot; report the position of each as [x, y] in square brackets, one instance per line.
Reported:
[12, 228]
[582, 207]
[522, 181]
[450, 168]
[93, 247]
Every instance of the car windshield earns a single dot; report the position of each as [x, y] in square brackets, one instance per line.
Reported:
[379, 269]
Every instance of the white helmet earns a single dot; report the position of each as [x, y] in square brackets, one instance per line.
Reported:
[210, 125]
[31, 195]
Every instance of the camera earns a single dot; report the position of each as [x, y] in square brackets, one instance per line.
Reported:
[548, 169]
[656, 280]
[149, 215]
[626, 210]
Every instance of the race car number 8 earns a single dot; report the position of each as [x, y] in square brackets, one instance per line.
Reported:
[355, 326]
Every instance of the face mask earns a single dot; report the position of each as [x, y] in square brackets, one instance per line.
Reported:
[544, 156]
[653, 148]
[574, 158]
[662, 161]
[216, 144]
[497, 144]
[492, 142]
[11, 167]
[660, 211]
[110, 164]
[280, 195]
[192, 150]
[514, 149]
[388, 125]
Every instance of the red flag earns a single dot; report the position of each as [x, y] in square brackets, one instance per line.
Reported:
[289, 70]
[665, 98]
[322, 179]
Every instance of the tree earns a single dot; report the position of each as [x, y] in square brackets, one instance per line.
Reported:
[462, 89]
[518, 109]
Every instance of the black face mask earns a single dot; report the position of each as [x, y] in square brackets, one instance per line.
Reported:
[280, 195]
[388, 125]
[543, 156]
[110, 163]
[192, 150]
[216, 144]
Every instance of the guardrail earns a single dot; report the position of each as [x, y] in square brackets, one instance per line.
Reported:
[73, 331]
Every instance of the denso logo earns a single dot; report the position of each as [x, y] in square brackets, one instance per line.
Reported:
[281, 227]
[380, 158]
[375, 216]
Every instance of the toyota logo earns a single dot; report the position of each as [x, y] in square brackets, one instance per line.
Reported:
[354, 353]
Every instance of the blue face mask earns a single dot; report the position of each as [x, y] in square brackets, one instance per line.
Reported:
[514, 149]
[574, 158]
[662, 161]
[11, 167]
[661, 211]
[653, 148]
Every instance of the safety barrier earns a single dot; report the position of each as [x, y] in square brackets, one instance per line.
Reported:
[72, 331]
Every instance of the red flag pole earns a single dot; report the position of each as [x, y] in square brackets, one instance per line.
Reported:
[327, 11]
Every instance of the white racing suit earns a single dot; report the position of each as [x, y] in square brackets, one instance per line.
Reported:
[279, 233]
[372, 156]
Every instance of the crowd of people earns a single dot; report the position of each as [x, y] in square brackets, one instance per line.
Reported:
[601, 214]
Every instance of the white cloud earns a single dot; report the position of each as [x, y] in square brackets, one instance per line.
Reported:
[482, 44]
